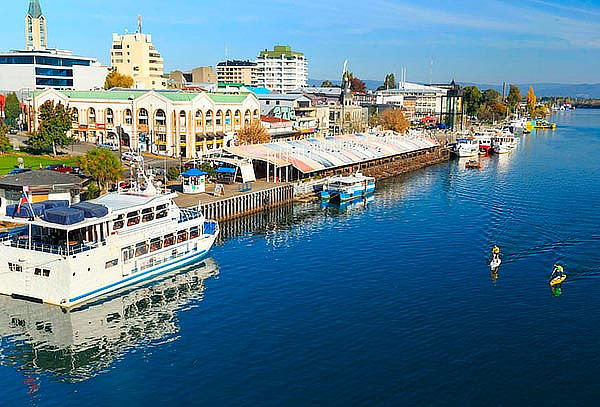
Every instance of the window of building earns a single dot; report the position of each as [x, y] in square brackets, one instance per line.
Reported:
[160, 118]
[53, 72]
[143, 117]
[109, 116]
[91, 115]
[128, 118]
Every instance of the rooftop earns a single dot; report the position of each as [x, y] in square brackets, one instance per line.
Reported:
[280, 51]
[236, 63]
[132, 94]
[125, 201]
[41, 178]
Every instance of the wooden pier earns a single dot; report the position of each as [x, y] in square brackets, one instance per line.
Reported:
[240, 205]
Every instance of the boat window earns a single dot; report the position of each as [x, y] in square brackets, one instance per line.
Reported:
[118, 223]
[133, 218]
[127, 253]
[161, 211]
[155, 244]
[147, 215]
[15, 267]
[46, 272]
[169, 240]
[141, 249]
[41, 272]
[194, 232]
[38, 272]
[111, 263]
[182, 236]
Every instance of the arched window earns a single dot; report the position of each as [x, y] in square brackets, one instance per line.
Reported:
[75, 113]
[91, 115]
[160, 118]
[128, 119]
[110, 119]
[143, 116]
[219, 120]
[182, 119]
[237, 118]
[247, 117]
[199, 120]
[256, 115]
[228, 122]
[209, 120]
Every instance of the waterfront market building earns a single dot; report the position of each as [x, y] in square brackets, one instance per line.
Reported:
[172, 123]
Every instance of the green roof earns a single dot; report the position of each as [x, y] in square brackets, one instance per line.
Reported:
[279, 51]
[131, 95]
[35, 10]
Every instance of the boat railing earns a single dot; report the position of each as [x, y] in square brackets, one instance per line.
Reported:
[51, 248]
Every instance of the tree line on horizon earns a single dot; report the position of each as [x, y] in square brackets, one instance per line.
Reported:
[489, 105]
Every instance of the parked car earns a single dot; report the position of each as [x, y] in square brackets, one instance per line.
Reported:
[13, 131]
[64, 168]
[129, 156]
[17, 171]
[111, 147]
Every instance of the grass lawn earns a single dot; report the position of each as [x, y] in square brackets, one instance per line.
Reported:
[8, 161]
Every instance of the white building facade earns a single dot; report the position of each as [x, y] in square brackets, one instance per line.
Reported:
[43, 69]
[417, 100]
[281, 70]
[176, 124]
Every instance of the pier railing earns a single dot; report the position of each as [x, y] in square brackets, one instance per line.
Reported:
[247, 203]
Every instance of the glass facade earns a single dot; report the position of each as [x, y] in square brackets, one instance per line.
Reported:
[55, 61]
[21, 60]
[54, 82]
[53, 72]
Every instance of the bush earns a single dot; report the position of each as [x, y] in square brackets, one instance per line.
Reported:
[206, 167]
[93, 191]
[172, 173]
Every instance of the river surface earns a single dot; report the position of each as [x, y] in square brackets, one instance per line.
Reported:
[384, 303]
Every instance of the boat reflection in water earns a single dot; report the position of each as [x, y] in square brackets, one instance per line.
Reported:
[81, 343]
[349, 206]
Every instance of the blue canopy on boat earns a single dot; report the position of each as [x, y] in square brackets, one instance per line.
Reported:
[194, 172]
[55, 204]
[26, 210]
[64, 216]
[91, 210]
[226, 170]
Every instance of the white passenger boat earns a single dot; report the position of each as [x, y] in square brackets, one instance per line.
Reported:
[504, 143]
[68, 255]
[484, 140]
[466, 147]
[345, 188]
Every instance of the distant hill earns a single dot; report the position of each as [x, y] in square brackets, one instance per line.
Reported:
[582, 90]
[372, 85]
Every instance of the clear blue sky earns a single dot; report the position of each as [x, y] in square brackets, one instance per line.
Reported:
[474, 41]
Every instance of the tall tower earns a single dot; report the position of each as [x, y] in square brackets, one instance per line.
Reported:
[35, 27]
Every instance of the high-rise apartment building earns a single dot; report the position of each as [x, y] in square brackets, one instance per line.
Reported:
[134, 55]
[243, 72]
[36, 36]
[282, 70]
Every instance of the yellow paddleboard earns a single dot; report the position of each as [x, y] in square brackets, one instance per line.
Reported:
[558, 280]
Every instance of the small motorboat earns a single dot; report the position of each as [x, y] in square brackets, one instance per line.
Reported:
[473, 164]
[495, 263]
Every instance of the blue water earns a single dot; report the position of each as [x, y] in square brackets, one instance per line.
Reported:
[388, 302]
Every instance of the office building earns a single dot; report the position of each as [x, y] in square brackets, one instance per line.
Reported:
[282, 70]
[134, 55]
[242, 72]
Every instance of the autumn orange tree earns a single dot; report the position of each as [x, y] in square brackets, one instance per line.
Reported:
[253, 133]
[394, 119]
[117, 80]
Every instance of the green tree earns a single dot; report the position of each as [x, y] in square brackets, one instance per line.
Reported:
[539, 112]
[102, 165]
[514, 97]
[172, 173]
[328, 84]
[531, 100]
[389, 82]
[12, 109]
[55, 122]
[4, 141]
[116, 80]
[472, 100]
[491, 96]
[491, 112]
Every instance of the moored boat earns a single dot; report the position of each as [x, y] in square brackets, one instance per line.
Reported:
[341, 188]
[466, 147]
[66, 255]
[504, 143]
